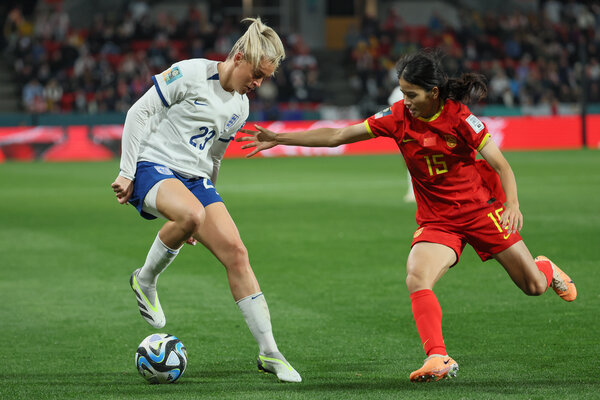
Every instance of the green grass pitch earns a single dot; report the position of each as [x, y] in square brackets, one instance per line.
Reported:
[328, 240]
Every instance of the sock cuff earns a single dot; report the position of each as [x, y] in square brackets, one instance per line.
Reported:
[170, 250]
[421, 293]
[546, 267]
[250, 297]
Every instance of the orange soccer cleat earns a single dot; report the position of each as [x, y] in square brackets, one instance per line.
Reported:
[436, 367]
[561, 283]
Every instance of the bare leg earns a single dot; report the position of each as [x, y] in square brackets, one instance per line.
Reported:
[220, 235]
[427, 263]
[519, 264]
[177, 203]
[184, 211]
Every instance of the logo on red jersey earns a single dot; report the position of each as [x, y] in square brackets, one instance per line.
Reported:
[383, 113]
[450, 141]
[475, 123]
[418, 233]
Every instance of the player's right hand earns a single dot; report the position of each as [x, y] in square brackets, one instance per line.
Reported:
[123, 189]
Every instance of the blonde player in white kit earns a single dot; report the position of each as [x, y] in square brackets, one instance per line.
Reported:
[174, 139]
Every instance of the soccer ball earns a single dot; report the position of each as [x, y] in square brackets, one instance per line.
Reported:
[161, 358]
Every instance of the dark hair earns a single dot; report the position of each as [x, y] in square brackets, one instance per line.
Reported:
[424, 69]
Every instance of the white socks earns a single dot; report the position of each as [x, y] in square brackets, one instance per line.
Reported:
[256, 313]
[254, 307]
[158, 259]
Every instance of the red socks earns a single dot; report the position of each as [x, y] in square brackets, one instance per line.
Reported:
[546, 268]
[428, 316]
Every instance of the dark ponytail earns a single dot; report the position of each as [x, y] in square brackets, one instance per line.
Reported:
[469, 88]
[424, 69]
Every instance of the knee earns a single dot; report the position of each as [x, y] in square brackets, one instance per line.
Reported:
[535, 288]
[414, 280]
[237, 256]
[192, 221]
[414, 283]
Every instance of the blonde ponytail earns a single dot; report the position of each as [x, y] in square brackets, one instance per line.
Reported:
[260, 42]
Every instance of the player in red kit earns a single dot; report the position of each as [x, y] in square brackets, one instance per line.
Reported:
[460, 199]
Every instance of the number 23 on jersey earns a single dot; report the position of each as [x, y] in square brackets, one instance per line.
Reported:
[203, 138]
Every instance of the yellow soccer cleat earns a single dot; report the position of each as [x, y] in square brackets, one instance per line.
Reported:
[436, 367]
[275, 363]
[152, 313]
[561, 283]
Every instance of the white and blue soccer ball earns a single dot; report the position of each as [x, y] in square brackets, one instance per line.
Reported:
[161, 358]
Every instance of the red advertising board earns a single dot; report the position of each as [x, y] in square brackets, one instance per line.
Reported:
[95, 143]
[510, 133]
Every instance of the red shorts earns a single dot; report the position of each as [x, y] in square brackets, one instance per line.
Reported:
[481, 229]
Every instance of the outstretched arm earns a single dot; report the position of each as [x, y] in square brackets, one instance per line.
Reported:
[512, 218]
[264, 139]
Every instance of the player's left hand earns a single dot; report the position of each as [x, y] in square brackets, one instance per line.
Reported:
[262, 139]
[512, 218]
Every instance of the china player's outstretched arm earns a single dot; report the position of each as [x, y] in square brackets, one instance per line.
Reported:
[264, 139]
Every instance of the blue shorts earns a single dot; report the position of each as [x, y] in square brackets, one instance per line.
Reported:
[149, 173]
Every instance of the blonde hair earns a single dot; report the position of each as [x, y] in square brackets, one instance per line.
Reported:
[260, 42]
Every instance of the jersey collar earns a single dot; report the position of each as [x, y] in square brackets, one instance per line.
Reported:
[433, 117]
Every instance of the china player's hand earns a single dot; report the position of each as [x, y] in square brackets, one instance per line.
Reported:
[512, 218]
[262, 139]
[123, 189]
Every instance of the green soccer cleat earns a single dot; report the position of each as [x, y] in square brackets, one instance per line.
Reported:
[275, 363]
[153, 314]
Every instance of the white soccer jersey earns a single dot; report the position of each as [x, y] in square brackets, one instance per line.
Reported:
[190, 132]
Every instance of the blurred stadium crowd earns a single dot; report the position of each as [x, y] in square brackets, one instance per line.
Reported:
[528, 58]
[109, 65]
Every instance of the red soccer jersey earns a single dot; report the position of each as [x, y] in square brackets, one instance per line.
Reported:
[440, 155]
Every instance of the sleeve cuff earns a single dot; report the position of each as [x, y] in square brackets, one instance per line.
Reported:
[369, 128]
[126, 175]
[483, 142]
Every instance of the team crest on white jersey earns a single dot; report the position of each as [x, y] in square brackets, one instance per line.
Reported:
[172, 75]
[163, 170]
[475, 123]
[232, 121]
